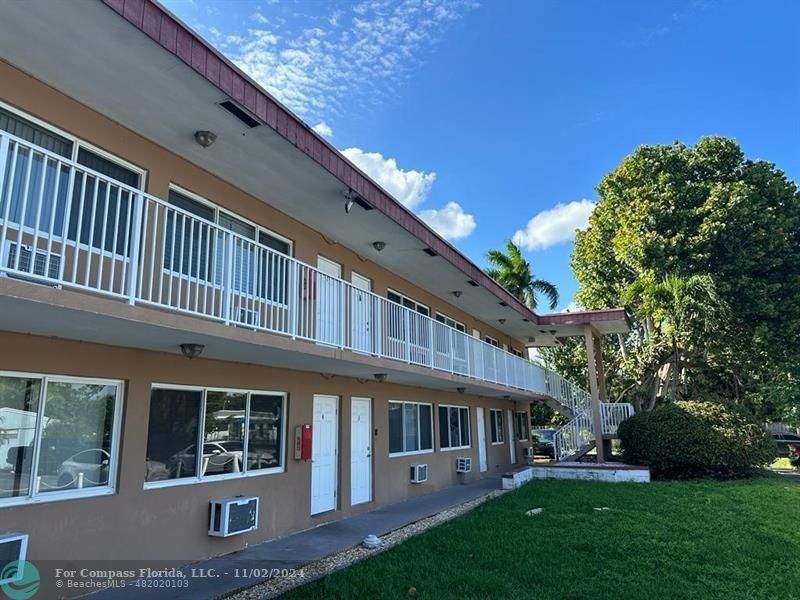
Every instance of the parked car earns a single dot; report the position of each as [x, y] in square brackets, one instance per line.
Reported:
[543, 442]
[86, 468]
[784, 440]
[218, 457]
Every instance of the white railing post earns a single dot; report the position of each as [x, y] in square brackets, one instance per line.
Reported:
[343, 316]
[136, 245]
[293, 298]
[378, 325]
[227, 277]
[407, 328]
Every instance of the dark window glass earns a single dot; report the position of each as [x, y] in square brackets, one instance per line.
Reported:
[223, 441]
[425, 427]
[189, 244]
[444, 428]
[455, 436]
[39, 136]
[19, 407]
[172, 434]
[395, 427]
[265, 443]
[464, 426]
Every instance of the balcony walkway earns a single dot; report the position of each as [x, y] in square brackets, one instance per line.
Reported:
[298, 549]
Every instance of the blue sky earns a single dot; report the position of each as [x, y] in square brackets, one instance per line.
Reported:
[497, 118]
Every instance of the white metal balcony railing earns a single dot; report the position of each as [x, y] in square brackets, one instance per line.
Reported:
[64, 224]
[579, 431]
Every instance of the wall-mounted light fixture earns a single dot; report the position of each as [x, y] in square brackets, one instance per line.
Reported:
[191, 351]
[461, 390]
[379, 246]
[506, 397]
[380, 377]
[457, 293]
[205, 138]
[501, 321]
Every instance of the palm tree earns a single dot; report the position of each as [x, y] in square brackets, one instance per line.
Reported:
[513, 272]
[683, 309]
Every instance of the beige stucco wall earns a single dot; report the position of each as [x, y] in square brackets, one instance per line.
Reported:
[171, 523]
[163, 167]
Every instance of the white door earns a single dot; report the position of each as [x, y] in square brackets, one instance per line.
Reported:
[512, 440]
[360, 314]
[324, 443]
[329, 302]
[481, 440]
[360, 451]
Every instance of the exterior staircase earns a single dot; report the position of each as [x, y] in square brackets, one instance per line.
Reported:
[576, 438]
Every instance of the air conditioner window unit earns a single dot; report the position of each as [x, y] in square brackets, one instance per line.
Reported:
[12, 548]
[232, 516]
[419, 473]
[463, 465]
[42, 267]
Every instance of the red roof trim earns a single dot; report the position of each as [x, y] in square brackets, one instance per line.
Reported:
[176, 37]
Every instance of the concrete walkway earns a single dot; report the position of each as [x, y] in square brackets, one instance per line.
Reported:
[215, 577]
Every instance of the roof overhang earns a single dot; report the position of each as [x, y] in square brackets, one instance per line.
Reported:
[555, 326]
[134, 62]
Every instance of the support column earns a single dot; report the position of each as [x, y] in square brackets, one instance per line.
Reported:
[594, 388]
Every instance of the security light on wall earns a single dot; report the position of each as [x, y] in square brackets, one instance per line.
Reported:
[205, 138]
[379, 246]
[380, 377]
[191, 351]
[457, 293]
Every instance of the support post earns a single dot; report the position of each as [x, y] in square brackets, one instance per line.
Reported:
[594, 388]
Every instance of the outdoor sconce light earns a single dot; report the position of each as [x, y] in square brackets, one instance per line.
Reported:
[205, 138]
[380, 377]
[191, 351]
[379, 246]
[457, 293]
[501, 321]
[506, 397]
[461, 390]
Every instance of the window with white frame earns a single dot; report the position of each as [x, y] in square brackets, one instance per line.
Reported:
[521, 426]
[97, 216]
[496, 425]
[240, 432]
[410, 428]
[454, 430]
[59, 436]
[195, 249]
[491, 341]
[450, 322]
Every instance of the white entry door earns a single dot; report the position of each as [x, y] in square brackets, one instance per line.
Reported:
[512, 439]
[329, 302]
[360, 451]
[360, 314]
[481, 440]
[324, 446]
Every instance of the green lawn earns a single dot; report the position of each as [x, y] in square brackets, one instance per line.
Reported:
[738, 539]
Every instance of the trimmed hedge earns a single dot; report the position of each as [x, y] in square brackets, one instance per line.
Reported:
[695, 439]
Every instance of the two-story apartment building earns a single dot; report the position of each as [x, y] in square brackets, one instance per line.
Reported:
[193, 281]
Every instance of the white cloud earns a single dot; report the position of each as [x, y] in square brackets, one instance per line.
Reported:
[450, 221]
[323, 129]
[344, 60]
[554, 225]
[408, 187]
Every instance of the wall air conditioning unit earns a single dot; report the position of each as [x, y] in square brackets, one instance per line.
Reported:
[232, 516]
[419, 473]
[40, 267]
[463, 465]
[12, 548]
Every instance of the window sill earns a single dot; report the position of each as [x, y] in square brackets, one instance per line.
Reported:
[413, 453]
[497, 443]
[168, 483]
[450, 449]
[45, 498]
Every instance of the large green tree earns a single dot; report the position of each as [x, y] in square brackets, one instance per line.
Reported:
[673, 212]
[513, 272]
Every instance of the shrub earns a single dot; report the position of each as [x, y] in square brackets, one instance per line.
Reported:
[695, 439]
